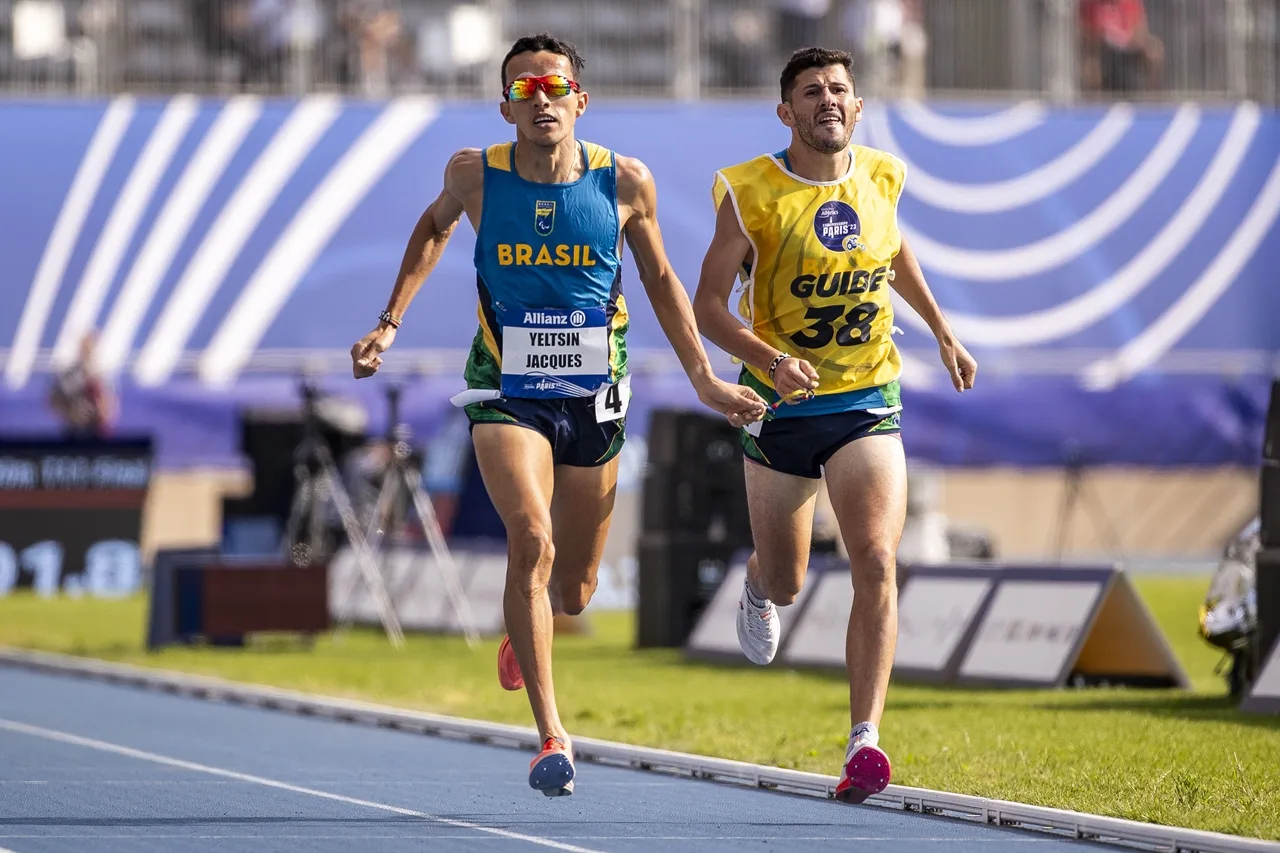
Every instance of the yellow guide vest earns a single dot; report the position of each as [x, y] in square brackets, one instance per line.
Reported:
[816, 285]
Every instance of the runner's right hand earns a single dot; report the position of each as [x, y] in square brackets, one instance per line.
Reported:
[366, 355]
[794, 374]
[738, 403]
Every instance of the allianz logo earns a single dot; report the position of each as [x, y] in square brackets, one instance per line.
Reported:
[544, 319]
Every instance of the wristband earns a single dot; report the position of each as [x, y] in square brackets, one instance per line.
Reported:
[781, 357]
[388, 317]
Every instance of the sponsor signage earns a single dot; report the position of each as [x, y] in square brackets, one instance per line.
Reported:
[981, 625]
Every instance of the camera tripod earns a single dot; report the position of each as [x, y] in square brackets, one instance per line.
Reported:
[403, 476]
[319, 487]
[1073, 494]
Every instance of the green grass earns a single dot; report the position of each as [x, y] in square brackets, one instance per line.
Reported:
[1189, 759]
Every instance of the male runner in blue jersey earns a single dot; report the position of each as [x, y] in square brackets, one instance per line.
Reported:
[550, 213]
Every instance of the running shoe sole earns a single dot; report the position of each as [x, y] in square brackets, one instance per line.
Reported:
[867, 773]
[552, 775]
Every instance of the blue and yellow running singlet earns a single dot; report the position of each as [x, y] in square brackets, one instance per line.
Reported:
[553, 321]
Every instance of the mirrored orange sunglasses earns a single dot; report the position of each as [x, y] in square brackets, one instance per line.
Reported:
[555, 85]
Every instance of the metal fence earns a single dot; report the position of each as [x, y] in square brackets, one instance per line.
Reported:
[1060, 50]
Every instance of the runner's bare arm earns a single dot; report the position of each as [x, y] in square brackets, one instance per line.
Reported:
[670, 301]
[426, 244]
[729, 247]
[908, 281]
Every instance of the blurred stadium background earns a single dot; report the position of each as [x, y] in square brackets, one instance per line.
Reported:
[204, 204]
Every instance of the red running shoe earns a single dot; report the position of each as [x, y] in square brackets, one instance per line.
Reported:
[508, 667]
[551, 772]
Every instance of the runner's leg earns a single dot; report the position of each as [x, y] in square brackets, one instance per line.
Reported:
[519, 474]
[867, 480]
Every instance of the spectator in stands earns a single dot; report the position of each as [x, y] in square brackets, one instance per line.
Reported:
[81, 396]
[239, 32]
[261, 42]
[912, 45]
[890, 42]
[283, 33]
[800, 23]
[1117, 47]
[374, 31]
[736, 52]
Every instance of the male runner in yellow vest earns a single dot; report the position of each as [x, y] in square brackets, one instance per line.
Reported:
[812, 230]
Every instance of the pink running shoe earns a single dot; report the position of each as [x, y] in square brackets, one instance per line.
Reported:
[866, 772]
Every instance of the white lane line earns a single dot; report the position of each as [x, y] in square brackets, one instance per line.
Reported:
[103, 746]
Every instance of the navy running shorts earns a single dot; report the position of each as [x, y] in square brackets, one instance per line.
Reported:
[568, 423]
[801, 446]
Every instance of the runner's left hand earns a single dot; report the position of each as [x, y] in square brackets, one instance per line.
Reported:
[738, 403]
[962, 366]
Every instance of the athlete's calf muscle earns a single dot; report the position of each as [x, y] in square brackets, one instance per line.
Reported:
[581, 512]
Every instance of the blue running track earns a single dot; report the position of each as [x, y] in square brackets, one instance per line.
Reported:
[90, 767]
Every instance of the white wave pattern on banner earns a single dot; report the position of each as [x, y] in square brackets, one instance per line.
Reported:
[63, 239]
[1159, 337]
[1068, 244]
[1124, 283]
[271, 285]
[1068, 318]
[224, 241]
[975, 131]
[1014, 193]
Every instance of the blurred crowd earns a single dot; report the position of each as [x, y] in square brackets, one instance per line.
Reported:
[251, 44]
[380, 47]
[365, 36]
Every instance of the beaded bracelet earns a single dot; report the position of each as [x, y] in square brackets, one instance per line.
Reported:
[781, 357]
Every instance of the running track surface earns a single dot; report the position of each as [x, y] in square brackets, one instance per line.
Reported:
[88, 766]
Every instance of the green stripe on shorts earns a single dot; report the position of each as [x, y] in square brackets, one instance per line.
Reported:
[482, 370]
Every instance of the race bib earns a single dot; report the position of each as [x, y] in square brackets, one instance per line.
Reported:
[612, 400]
[553, 352]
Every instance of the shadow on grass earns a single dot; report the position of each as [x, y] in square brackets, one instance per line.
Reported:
[921, 696]
[1217, 709]
[112, 651]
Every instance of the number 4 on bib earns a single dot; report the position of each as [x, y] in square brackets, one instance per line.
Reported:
[613, 399]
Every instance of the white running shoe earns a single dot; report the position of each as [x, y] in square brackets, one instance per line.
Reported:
[758, 630]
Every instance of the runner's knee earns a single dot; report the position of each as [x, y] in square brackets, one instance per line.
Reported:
[874, 565]
[530, 555]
